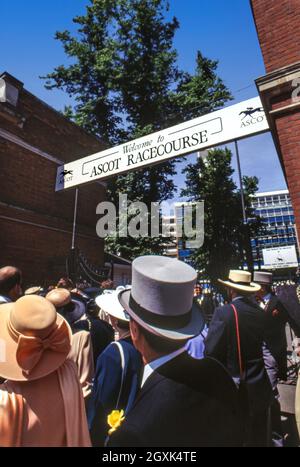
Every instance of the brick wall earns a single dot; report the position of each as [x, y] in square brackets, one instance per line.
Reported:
[287, 127]
[277, 23]
[36, 222]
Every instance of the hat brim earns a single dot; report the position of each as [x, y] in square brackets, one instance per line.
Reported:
[252, 287]
[192, 329]
[264, 283]
[78, 311]
[9, 368]
[110, 304]
[33, 290]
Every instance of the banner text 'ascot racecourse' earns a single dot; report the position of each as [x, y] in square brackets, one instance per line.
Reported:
[231, 123]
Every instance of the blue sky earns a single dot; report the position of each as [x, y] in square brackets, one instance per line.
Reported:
[220, 29]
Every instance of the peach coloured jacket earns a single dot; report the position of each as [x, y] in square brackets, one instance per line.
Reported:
[46, 412]
[82, 354]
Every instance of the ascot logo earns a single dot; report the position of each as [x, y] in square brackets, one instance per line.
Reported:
[252, 115]
[65, 176]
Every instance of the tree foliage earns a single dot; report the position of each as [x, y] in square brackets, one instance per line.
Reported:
[226, 241]
[125, 82]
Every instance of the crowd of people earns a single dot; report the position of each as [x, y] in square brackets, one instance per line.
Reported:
[141, 365]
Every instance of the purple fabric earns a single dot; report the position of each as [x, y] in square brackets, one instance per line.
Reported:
[195, 346]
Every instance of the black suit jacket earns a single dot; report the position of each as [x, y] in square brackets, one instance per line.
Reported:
[221, 343]
[276, 318]
[186, 402]
[102, 334]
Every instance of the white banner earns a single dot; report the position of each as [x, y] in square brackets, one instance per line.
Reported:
[234, 122]
[281, 257]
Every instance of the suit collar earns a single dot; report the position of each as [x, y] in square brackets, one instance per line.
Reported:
[156, 376]
[237, 298]
[155, 364]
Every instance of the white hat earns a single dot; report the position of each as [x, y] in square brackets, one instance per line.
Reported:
[110, 304]
[240, 280]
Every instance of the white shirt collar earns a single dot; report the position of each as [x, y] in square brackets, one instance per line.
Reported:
[152, 366]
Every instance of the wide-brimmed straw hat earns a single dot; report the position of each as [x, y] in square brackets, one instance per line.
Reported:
[110, 304]
[34, 339]
[161, 297]
[61, 297]
[240, 280]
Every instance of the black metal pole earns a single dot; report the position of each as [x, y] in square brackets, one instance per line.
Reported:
[241, 181]
[248, 246]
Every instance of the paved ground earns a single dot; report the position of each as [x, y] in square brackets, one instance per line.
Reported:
[287, 402]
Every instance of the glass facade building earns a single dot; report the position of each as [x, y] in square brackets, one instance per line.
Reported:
[276, 212]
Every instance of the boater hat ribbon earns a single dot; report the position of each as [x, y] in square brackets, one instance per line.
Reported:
[239, 282]
[30, 349]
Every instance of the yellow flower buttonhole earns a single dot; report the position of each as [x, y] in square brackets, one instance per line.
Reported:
[114, 419]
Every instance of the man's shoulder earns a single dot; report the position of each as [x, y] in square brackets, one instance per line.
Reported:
[223, 311]
[184, 392]
[199, 378]
[275, 302]
[115, 352]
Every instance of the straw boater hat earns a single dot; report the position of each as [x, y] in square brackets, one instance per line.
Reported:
[35, 339]
[161, 297]
[240, 280]
[62, 297]
[110, 304]
[264, 278]
[33, 290]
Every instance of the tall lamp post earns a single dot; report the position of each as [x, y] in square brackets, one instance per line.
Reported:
[248, 246]
[73, 268]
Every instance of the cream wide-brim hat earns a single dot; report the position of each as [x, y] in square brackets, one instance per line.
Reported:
[241, 281]
[110, 304]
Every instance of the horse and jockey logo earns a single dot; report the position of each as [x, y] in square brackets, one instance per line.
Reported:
[252, 115]
[65, 173]
[250, 111]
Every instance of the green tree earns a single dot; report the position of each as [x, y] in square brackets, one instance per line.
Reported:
[126, 83]
[225, 241]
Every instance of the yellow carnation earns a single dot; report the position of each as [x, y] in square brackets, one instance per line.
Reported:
[114, 419]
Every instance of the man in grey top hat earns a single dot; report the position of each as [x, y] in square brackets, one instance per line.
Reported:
[182, 401]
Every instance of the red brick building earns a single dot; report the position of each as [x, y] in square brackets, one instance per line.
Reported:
[35, 222]
[277, 23]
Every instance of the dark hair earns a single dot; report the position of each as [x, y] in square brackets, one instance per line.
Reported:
[65, 283]
[161, 344]
[123, 324]
[9, 278]
[92, 309]
[267, 287]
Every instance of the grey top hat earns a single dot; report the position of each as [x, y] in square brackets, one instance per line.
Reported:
[161, 297]
[263, 277]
